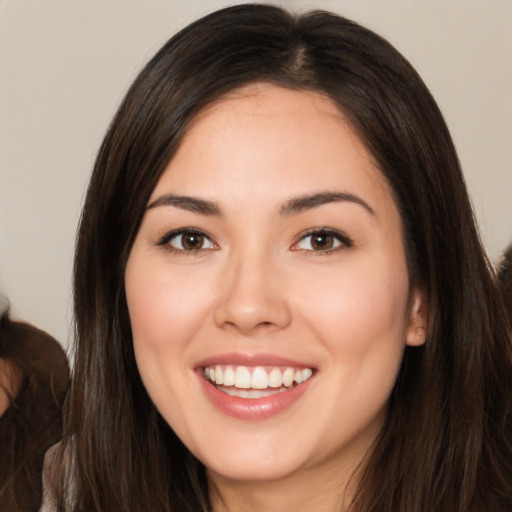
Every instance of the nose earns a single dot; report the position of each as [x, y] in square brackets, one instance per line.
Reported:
[253, 297]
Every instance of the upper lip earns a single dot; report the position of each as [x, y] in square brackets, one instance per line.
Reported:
[251, 360]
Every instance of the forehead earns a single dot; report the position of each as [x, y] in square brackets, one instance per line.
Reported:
[255, 98]
[263, 133]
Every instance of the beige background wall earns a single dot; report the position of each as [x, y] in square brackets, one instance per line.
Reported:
[66, 63]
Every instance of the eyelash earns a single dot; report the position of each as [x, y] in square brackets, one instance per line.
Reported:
[343, 241]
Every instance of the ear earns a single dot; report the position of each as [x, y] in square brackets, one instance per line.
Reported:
[417, 324]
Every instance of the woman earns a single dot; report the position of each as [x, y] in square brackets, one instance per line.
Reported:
[281, 299]
[34, 376]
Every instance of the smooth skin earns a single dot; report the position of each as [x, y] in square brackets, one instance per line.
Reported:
[9, 383]
[245, 268]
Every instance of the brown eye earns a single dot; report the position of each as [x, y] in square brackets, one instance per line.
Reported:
[190, 241]
[323, 241]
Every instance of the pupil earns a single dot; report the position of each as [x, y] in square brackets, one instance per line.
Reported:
[322, 242]
[192, 241]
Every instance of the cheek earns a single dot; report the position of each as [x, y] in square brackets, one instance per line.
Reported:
[166, 310]
[359, 319]
[158, 303]
[359, 312]
[165, 307]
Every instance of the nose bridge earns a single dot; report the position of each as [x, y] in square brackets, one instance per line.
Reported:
[252, 294]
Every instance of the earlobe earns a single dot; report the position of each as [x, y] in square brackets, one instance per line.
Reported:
[417, 328]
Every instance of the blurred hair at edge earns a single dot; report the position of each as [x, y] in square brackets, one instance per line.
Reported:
[505, 279]
[34, 377]
[445, 444]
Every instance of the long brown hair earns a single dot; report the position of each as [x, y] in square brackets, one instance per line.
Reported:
[446, 443]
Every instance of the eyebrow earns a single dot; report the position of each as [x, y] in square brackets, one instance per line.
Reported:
[293, 206]
[192, 204]
[307, 202]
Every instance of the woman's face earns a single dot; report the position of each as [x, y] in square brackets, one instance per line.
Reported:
[271, 253]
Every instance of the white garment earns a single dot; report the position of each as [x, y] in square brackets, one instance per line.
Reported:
[48, 504]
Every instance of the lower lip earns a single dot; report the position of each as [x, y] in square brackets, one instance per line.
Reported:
[253, 408]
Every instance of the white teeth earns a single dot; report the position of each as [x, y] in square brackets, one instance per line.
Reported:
[257, 378]
[242, 378]
[229, 376]
[288, 377]
[275, 378]
[306, 373]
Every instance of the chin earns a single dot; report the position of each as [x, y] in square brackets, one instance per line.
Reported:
[254, 470]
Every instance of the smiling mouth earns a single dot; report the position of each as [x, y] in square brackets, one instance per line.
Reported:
[255, 382]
